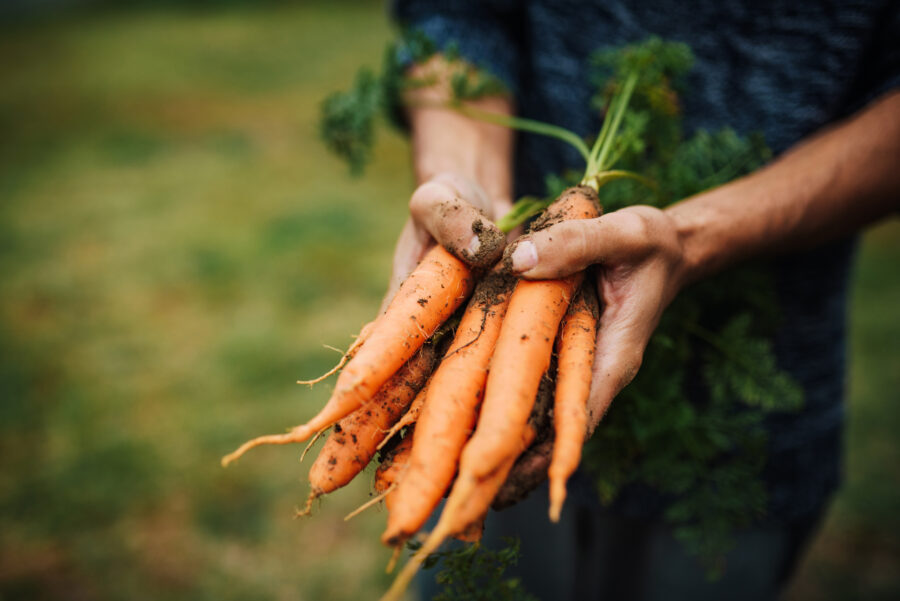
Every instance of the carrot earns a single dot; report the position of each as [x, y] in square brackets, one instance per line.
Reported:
[431, 293]
[355, 438]
[391, 470]
[408, 418]
[577, 339]
[450, 408]
[473, 532]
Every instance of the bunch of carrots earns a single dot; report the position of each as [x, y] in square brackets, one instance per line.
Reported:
[471, 395]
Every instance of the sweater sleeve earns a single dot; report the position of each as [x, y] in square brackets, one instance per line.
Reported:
[879, 65]
[485, 32]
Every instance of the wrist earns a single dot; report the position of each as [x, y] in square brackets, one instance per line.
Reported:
[706, 229]
[445, 141]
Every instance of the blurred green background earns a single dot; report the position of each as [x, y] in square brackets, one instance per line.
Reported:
[175, 250]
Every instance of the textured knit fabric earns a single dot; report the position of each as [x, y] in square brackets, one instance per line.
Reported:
[782, 68]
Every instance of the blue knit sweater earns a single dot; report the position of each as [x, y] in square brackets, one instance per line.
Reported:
[780, 67]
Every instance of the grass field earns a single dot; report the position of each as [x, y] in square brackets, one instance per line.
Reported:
[175, 250]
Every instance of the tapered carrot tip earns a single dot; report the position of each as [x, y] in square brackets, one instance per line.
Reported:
[298, 434]
[307, 509]
[393, 561]
[557, 498]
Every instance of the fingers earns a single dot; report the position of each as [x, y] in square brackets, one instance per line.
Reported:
[625, 329]
[453, 211]
[570, 246]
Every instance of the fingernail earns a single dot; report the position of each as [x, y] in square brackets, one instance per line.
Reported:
[524, 257]
[474, 245]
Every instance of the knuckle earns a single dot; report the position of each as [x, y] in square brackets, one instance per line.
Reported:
[633, 226]
[572, 244]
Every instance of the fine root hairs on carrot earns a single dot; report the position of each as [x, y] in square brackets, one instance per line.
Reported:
[311, 442]
[431, 293]
[360, 338]
[577, 340]
[407, 419]
[450, 408]
[392, 563]
[355, 439]
[373, 501]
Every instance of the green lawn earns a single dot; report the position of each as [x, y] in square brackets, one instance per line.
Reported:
[175, 250]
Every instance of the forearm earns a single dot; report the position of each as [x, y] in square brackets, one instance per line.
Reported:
[445, 141]
[829, 186]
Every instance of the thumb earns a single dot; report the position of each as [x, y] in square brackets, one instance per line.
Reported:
[571, 246]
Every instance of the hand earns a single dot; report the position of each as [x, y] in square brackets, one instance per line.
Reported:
[455, 212]
[641, 267]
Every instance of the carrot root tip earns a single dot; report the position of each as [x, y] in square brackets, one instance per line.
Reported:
[392, 563]
[557, 498]
[369, 503]
[296, 435]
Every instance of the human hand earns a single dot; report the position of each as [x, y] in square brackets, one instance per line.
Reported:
[640, 268]
[455, 212]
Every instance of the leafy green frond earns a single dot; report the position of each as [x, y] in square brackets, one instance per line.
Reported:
[476, 573]
[750, 374]
[347, 120]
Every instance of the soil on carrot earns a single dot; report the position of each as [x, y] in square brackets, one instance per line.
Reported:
[492, 289]
[521, 482]
[548, 218]
[488, 294]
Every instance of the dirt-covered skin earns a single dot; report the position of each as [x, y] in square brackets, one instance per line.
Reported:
[491, 241]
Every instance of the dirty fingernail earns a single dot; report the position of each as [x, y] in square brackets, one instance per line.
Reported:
[474, 245]
[524, 257]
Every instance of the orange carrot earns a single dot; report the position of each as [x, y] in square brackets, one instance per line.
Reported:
[473, 532]
[450, 409]
[391, 470]
[408, 418]
[577, 340]
[431, 293]
[355, 438]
